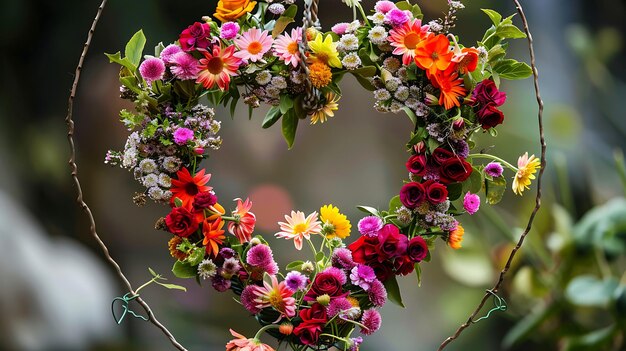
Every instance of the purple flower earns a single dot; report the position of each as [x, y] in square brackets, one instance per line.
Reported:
[355, 342]
[342, 258]
[397, 17]
[371, 320]
[231, 266]
[227, 252]
[229, 30]
[461, 148]
[494, 169]
[220, 284]
[260, 256]
[370, 225]
[152, 69]
[247, 299]
[185, 66]
[183, 135]
[471, 203]
[276, 9]
[337, 274]
[340, 28]
[362, 275]
[168, 53]
[377, 293]
[296, 281]
[384, 6]
[337, 306]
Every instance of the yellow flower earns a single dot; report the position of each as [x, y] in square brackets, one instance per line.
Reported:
[327, 110]
[527, 167]
[334, 224]
[325, 50]
[456, 237]
[230, 10]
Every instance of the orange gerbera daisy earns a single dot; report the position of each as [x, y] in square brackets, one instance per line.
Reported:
[217, 67]
[186, 186]
[456, 237]
[406, 38]
[243, 227]
[450, 87]
[433, 54]
[466, 60]
[213, 235]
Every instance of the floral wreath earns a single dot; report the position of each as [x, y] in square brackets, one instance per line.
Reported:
[250, 50]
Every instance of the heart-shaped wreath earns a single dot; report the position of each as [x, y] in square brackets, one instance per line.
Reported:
[448, 90]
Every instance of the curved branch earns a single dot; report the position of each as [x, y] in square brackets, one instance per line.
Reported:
[74, 170]
[531, 219]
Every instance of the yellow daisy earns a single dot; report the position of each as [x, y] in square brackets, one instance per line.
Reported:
[327, 110]
[325, 50]
[527, 167]
[334, 224]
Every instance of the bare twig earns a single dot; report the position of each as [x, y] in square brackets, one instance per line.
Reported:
[495, 288]
[74, 169]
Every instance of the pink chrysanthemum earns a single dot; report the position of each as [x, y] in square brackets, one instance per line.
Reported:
[494, 169]
[253, 44]
[371, 320]
[286, 47]
[397, 17]
[340, 28]
[337, 274]
[405, 39]
[217, 67]
[185, 66]
[471, 203]
[152, 69]
[384, 6]
[247, 299]
[243, 227]
[260, 256]
[296, 281]
[183, 135]
[229, 30]
[276, 295]
[299, 228]
[167, 55]
[342, 258]
[370, 225]
[338, 305]
[377, 293]
[362, 275]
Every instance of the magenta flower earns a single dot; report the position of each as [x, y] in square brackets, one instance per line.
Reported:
[362, 276]
[247, 299]
[371, 320]
[337, 274]
[167, 55]
[494, 169]
[195, 36]
[260, 256]
[340, 28]
[338, 305]
[296, 281]
[152, 69]
[384, 6]
[342, 258]
[185, 66]
[229, 30]
[471, 203]
[183, 135]
[220, 284]
[377, 293]
[370, 225]
[397, 17]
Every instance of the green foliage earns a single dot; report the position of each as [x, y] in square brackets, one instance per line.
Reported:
[184, 270]
[494, 189]
[290, 124]
[393, 290]
[134, 48]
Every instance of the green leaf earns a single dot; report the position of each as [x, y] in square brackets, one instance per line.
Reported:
[404, 5]
[412, 116]
[281, 23]
[368, 209]
[527, 325]
[365, 83]
[493, 15]
[271, 117]
[134, 48]
[291, 11]
[319, 256]
[393, 291]
[494, 189]
[476, 181]
[512, 69]
[172, 286]
[418, 272]
[184, 270]
[417, 12]
[122, 61]
[509, 31]
[587, 290]
[295, 265]
[152, 272]
[290, 124]
[286, 103]
[394, 204]
[495, 53]
[158, 49]
[599, 339]
[455, 190]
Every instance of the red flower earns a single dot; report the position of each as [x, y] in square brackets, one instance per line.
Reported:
[417, 249]
[195, 36]
[436, 192]
[417, 165]
[392, 243]
[404, 265]
[364, 250]
[486, 93]
[313, 320]
[186, 187]
[455, 169]
[412, 194]
[440, 155]
[489, 116]
[181, 222]
[383, 270]
[244, 226]
[325, 283]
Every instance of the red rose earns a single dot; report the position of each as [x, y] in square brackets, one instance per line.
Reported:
[324, 283]
[364, 250]
[417, 165]
[486, 92]
[382, 270]
[412, 194]
[404, 265]
[417, 249]
[392, 243]
[195, 36]
[489, 116]
[436, 192]
[313, 320]
[441, 155]
[455, 170]
[181, 222]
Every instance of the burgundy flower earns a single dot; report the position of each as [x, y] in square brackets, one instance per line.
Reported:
[313, 320]
[412, 194]
[486, 92]
[404, 265]
[195, 36]
[436, 192]
[325, 283]
[489, 116]
[455, 170]
[392, 243]
[203, 200]
[364, 249]
[181, 222]
[417, 165]
[441, 155]
[382, 270]
[417, 249]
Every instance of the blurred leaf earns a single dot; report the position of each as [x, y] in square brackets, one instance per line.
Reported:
[393, 291]
[172, 286]
[281, 24]
[596, 340]
[494, 189]
[469, 267]
[587, 290]
[529, 324]
[604, 227]
[152, 272]
[134, 48]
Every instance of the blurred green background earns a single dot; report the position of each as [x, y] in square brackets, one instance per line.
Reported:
[565, 292]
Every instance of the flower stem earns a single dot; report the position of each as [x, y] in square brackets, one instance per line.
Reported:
[257, 336]
[495, 158]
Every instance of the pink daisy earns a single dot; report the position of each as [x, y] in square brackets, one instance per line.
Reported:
[217, 67]
[405, 39]
[276, 295]
[185, 66]
[299, 228]
[253, 44]
[152, 69]
[286, 47]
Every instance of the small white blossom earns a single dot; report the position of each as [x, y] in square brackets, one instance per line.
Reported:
[351, 61]
[377, 35]
[263, 77]
[382, 95]
[349, 42]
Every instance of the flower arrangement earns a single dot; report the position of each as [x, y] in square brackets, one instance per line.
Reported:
[250, 50]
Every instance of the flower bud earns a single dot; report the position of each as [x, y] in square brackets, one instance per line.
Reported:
[420, 147]
[458, 123]
[323, 300]
[286, 328]
[307, 268]
[255, 241]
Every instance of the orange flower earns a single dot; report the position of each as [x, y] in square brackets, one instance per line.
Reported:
[320, 74]
[456, 237]
[217, 67]
[230, 10]
[450, 87]
[466, 60]
[243, 227]
[406, 38]
[173, 246]
[241, 343]
[213, 235]
[186, 186]
[433, 54]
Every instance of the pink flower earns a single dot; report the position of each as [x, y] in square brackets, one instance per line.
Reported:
[183, 135]
[246, 220]
[217, 67]
[296, 281]
[299, 228]
[471, 203]
[253, 44]
[229, 30]
[185, 66]
[247, 299]
[195, 36]
[342, 258]
[397, 17]
[338, 305]
[260, 255]
[370, 225]
[286, 47]
[362, 276]
[340, 28]
[384, 6]
[371, 320]
[494, 169]
[168, 53]
[152, 69]
[276, 295]
[377, 293]
[241, 343]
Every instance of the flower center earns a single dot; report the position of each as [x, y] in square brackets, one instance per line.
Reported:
[411, 41]
[191, 189]
[255, 47]
[215, 65]
[292, 48]
[299, 228]
[322, 56]
[434, 56]
[276, 300]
